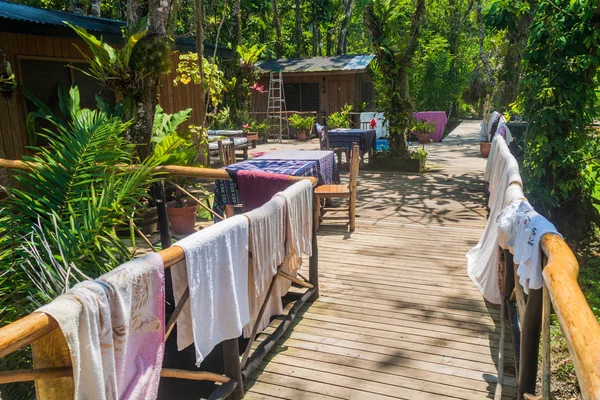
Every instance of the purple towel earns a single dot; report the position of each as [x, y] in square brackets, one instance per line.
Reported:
[257, 187]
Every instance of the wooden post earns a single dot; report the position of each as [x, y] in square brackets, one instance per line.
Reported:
[231, 361]
[546, 310]
[530, 343]
[511, 307]
[313, 262]
[158, 193]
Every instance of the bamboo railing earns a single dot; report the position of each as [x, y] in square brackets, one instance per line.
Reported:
[30, 328]
[529, 318]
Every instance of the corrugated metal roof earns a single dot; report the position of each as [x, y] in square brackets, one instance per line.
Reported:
[20, 12]
[109, 27]
[318, 64]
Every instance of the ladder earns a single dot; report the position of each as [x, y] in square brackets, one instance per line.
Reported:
[276, 110]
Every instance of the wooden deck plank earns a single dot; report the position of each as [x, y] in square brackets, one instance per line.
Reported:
[398, 316]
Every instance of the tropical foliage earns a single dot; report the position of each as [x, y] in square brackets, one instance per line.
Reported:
[59, 221]
[339, 119]
[301, 124]
[559, 97]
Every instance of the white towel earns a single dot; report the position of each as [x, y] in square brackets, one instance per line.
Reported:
[529, 231]
[217, 273]
[114, 327]
[299, 201]
[267, 242]
[483, 259]
[508, 220]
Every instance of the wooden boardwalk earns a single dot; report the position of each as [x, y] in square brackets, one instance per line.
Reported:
[398, 316]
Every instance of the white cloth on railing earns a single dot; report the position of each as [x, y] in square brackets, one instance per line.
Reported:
[299, 217]
[217, 275]
[483, 259]
[529, 231]
[267, 242]
[299, 202]
[508, 220]
[114, 327]
[504, 131]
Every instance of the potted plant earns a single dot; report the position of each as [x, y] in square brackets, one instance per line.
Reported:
[340, 119]
[421, 130]
[302, 125]
[172, 147]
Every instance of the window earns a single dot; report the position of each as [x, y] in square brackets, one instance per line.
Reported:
[302, 96]
[310, 96]
[43, 77]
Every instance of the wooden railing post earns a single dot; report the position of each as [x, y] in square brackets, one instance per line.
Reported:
[158, 193]
[231, 362]
[512, 313]
[313, 262]
[531, 326]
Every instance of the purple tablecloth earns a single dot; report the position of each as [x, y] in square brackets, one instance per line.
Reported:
[343, 137]
[438, 118]
[226, 192]
[328, 169]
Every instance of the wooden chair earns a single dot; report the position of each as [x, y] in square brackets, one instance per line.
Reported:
[338, 150]
[227, 153]
[348, 191]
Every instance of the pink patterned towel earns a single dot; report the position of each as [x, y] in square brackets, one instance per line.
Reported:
[114, 327]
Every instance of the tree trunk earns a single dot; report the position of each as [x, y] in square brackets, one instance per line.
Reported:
[482, 55]
[200, 50]
[298, 28]
[236, 35]
[510, 70]
[147, 98]
[277, 25]
[95, 10]
[347, 5]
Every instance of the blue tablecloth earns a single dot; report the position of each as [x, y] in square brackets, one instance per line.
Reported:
[226, 192]
[343, 137]
[327, 167]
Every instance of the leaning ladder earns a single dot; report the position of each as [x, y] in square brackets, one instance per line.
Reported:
[276, 110]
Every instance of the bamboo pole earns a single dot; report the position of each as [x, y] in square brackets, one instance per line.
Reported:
[65, 372]
[173, 170]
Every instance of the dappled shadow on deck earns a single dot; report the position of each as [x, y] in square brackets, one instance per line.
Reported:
[398, 316]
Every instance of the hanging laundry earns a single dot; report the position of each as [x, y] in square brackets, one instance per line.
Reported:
[114, 328]
[508, 217]
[267, 244]
[299, 203]
[483, 259]
[257, 187]
[217, 276]
[529, 231]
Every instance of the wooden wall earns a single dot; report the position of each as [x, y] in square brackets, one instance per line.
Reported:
[13, 135]
[340, 88]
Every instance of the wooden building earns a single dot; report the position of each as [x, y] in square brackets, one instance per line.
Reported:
[41, 49]
[321, 84]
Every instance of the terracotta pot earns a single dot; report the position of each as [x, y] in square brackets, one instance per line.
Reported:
[422, 137]
[302, 135]
[484, 148]
[182, 219]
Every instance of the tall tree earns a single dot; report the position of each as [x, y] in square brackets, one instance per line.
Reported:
[347, 10]
[558, 96]
[277, 25]
[236, 22]
[95, 10]
[298, 28]
[394, 58]
[152, 59]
